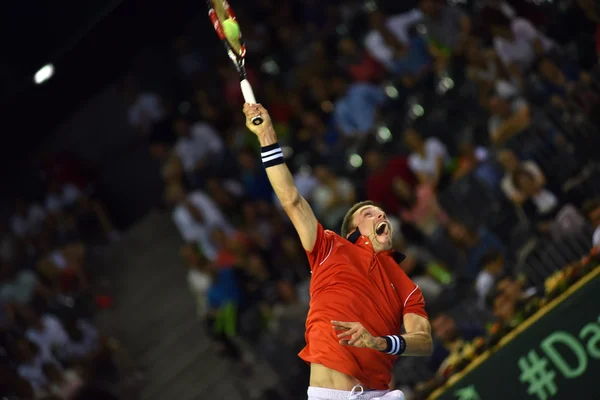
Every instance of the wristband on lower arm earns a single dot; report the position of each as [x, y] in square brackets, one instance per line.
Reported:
[271, 155]
[396, 345]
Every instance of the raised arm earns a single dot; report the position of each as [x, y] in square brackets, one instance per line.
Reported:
[295, 206]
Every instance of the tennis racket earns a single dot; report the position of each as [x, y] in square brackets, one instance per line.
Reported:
[219, 11]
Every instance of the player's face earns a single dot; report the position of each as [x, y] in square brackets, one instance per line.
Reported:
[373, 223]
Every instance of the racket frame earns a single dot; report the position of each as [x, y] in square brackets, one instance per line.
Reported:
[238, 58]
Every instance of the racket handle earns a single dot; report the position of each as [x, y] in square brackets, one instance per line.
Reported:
[250, 99]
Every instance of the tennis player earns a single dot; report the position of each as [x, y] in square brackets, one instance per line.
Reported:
[360, 297]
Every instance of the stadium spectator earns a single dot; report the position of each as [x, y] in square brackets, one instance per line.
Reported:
[83, 342]
[45, 331]
[149, 118]
[472, 246]
[388, 35]
[426, 272]
[450, 337]
[484, 68]
[473, 160]
[198, 278]
[511, 163]
[517, 42]
[199, 149]
[31, 365]
[420, 207]
[87, 211]
[196, 215]
[293, 270]
[357, 106]
[27, 219]
[428, 160]
[254, 177]
[539, 203]
[63, 384]
[357, 63]
[566, 86]
[493, 267]
[383, 175]
[223, 300]
[227, 195]
[448, 29]
[331, 197]
[510, 114]
[19, 286]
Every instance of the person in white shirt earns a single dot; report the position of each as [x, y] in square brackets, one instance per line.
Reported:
[27, 219]
[196, 215]
[492, 268]
[428, 159]
[30, 365]
[61, 197]
[149, 117]
[146, 110]
[199, 280]
[510, 114]
[46, 331]
[332, 197]
[380, 41]
[510, 163]
[517, 42]
[199, 146]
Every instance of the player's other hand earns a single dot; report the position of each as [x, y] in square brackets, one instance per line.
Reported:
[253, 110]
[354, 334]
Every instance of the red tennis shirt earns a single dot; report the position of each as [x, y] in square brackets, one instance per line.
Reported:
[350, 282]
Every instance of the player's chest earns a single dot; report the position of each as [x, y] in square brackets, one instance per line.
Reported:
[374, 280]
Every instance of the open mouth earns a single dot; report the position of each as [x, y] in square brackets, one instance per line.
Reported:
[382, 229]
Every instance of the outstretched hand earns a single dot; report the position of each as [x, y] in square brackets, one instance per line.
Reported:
[254, 110]
[354, 334]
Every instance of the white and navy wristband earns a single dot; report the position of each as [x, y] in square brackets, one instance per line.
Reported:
[396, 345]
[271, 155]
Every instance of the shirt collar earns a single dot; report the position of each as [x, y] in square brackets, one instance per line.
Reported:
[363, 241]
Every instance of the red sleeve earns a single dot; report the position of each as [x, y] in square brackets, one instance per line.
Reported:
[414, 303]
[322, 248]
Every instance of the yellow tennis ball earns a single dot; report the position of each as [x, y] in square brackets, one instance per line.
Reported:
[231, 29]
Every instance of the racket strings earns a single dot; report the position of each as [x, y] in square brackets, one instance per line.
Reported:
[221, 9]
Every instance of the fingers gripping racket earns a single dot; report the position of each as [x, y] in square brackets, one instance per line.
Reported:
[219, 11]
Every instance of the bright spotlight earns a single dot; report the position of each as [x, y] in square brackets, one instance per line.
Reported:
[417, 110]
[43, 74]
[391, 92]
[356, 160]
[384, 134]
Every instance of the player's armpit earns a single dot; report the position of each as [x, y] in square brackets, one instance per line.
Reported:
[417, 336]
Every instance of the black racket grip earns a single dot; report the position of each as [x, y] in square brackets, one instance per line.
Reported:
[258, 120]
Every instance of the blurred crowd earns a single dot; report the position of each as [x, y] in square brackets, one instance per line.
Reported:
[472, 123]
[50, 290]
